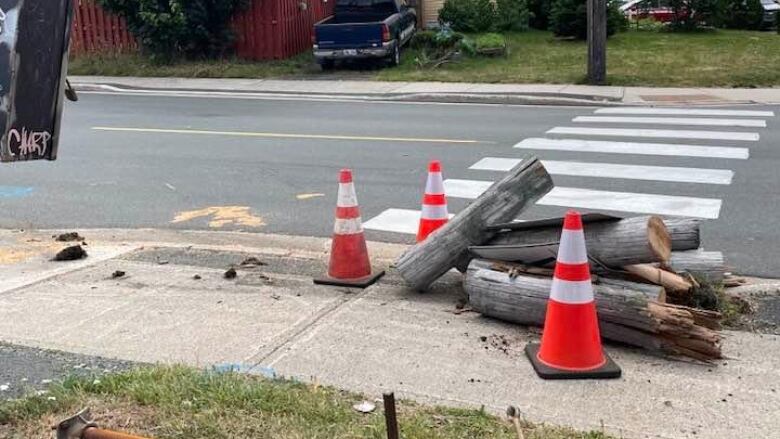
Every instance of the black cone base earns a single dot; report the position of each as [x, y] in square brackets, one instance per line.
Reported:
[608, 370]
[362, 282]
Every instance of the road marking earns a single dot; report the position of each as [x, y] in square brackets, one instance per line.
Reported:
[15, 191]
[684, 112]
[708, 208]
[308, 196]
[604, 200]
[285, 135]
[222, 216]
[666, 134]
[663, 149]
[396, 220]
[690, 121]
[611, 170]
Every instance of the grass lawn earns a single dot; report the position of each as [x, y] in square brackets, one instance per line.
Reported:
[183, 403]
[720, 58]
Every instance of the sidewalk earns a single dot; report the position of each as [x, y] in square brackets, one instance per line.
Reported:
[438, 91]
[383, 338]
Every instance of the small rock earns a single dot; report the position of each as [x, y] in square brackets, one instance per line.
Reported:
[24, 380]
[275, 296]
[84, 243]
[73, 253]
[252, 262]
[68, 237]
[4, 387]
[197, 277]
[483, 338]
[117, 274]
[45, 381]
[162, 262]
[668, 403]
[231, 273]
[41, 392]
[365, 407]
[51, 398]
[95, 382]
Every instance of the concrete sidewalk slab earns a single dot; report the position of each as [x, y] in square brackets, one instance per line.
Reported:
[565, 94]
[383, 338]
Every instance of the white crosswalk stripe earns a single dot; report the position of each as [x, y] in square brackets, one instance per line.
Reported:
[685, 112]
[644, 122]
[604, 200]
[748, 123]
[637, 148]
[396, 220]
[664, 134]
[611, 170]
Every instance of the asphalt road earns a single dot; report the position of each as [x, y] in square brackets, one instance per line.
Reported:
[153, 158]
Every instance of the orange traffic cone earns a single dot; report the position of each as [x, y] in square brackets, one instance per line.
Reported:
[349, 263]
[434, 208]
[571, 342]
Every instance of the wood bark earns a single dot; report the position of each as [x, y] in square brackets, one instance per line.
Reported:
[704, 266]
[684, 233]
[615, 244]
[671, 281]
[625, 315]
[425, 262]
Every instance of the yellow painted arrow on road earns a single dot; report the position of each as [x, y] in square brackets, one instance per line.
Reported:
[222, 216]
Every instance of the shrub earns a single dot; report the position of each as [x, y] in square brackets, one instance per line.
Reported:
[468, 15]
[688, 15]
[569, 18]
[512, 15]
[490, 44]
[742, 14]
[190, 28]
[540, 13]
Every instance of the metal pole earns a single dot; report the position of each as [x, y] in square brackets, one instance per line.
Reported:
[597, 42]
[390, 418]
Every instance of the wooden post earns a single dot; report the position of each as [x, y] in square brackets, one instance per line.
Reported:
[390, 416]
[597, 42]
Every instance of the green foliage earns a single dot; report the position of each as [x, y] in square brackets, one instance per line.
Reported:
[512, 15]
[490, 41]
[741, 14]
[469, 15]
[690, 15]
[568, 18]
[540, 13]
[171, 28]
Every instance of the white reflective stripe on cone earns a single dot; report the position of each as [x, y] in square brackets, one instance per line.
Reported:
[572, 248]
[348, 226]
[347, 195]
[573, 293]
[434, 212]
[435, 185]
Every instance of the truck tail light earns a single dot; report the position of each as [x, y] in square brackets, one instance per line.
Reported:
[385, 33]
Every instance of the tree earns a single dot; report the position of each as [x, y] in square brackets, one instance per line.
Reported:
[171, 28]
[742, 14]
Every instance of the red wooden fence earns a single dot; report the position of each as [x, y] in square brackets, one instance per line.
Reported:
[268, 29]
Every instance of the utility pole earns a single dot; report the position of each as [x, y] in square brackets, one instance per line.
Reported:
[597, 42]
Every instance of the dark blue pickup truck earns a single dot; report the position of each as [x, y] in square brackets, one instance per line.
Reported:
[364, 29]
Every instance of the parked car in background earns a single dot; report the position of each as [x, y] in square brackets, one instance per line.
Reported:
[364, 29]
[657, 10]
[770, 12]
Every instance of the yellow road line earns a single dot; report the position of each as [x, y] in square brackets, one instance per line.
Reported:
[286, 135]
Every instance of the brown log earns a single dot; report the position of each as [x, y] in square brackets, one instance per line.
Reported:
[615, 244]
[684, 233]
[671, 281]
[708, 267]
[625, 315]
[425, 262]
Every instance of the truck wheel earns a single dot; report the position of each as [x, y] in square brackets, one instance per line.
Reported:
[395, 58]
[327, 64]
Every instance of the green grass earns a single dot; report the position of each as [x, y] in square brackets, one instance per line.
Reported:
[639, 58]
[722, 58]
[183, 403]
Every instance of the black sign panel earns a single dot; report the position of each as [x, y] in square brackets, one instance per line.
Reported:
[34, 38]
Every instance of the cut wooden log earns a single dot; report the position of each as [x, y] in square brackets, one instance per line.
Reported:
[425, 262]
[625, 315]
[629, 241]
[673, 282]
[704, 266]
[684, 233]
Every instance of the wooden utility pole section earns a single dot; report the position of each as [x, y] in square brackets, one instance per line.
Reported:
[597, 42]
